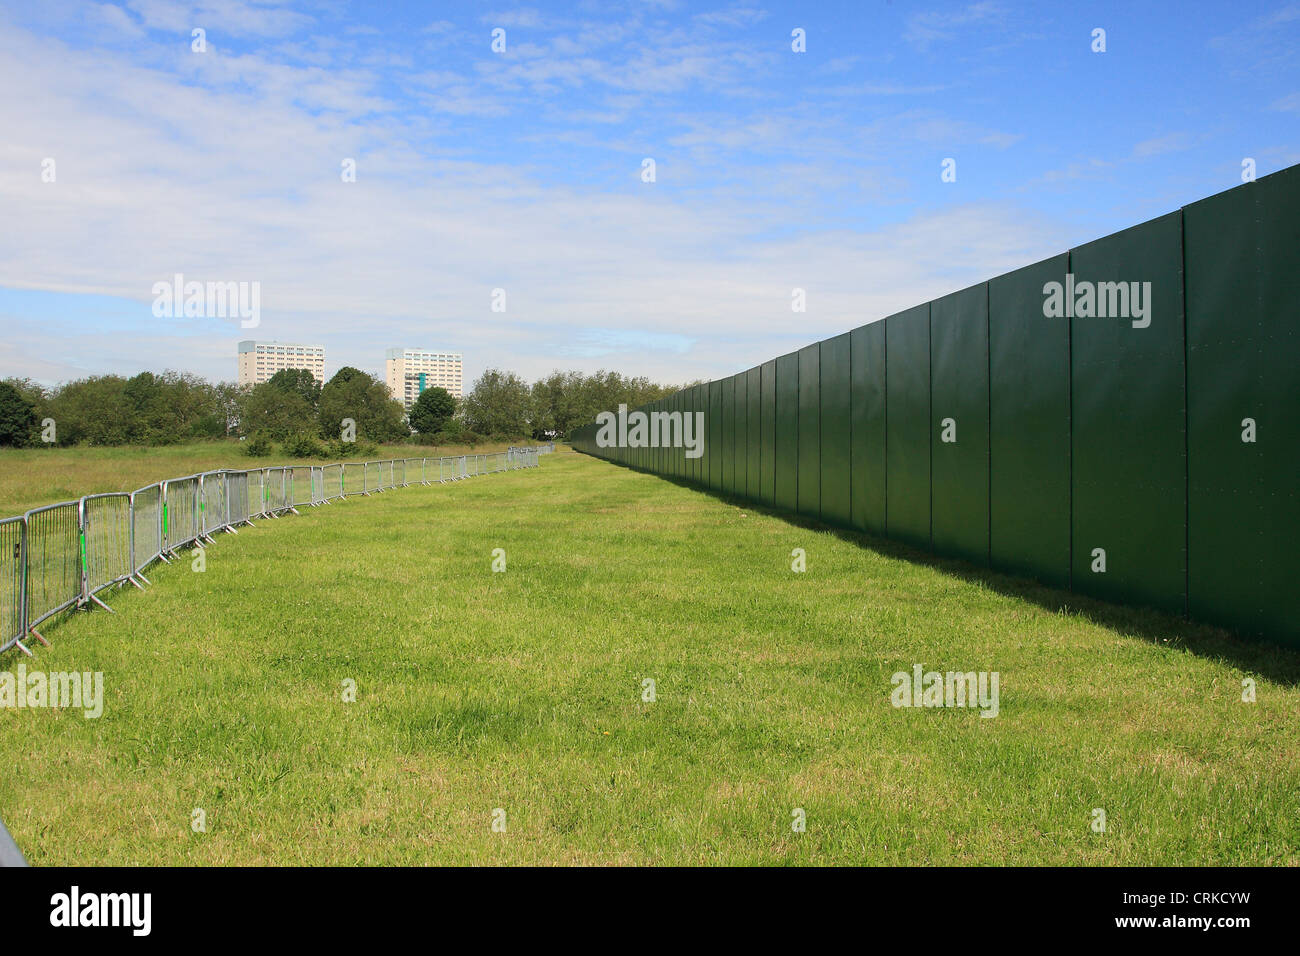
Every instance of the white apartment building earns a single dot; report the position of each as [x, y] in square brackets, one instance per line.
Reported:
[258, 361]
[411, 371]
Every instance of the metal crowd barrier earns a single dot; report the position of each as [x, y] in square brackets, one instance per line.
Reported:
[331, 482]
[52, 574]
[237, 498]
[13, 581]
[146, 528]
[301, 485]
[212, 503]
[105, 543]
[354, 479]
[275, 491]
[64, 555]
[180, 512]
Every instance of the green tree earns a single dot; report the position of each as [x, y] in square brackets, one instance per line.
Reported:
[432, 410]
[17, 416]
[274, 412]
[500, 404]
[354, 394]
[94, 411]
[299, 381]
[33, 391]
[226, 397]
[564, 400]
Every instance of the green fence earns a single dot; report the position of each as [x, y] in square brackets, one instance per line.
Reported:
[1143, 447]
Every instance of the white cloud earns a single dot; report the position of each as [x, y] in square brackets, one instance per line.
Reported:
[118, 20]
[234, 175]
[930, 27]
[230, 17]
[522, 17]
[1159, 145]
[1288, 104]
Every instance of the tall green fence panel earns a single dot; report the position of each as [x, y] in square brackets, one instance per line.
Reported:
[907, 347]
[1243, 411]
[690, 405]
[810, 444]
[767, 460]
[734, 441]
[1129, 467]
[679, 454]
[698, 405]
[836, 467]
[724, 435]
[664, 464]
[684, 462]
[739, 476]
[659, 456]
[658, 460]
[787, 431]
[653, 462]
[1029, 426]
[754, 391]
[1279, 216]
[688, 463]
[637, 455]
[867, 345]
[717, 438]
[959, 425]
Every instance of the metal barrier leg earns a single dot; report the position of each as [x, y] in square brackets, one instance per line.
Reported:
[96, 599]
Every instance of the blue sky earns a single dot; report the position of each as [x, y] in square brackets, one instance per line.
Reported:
[521, 170]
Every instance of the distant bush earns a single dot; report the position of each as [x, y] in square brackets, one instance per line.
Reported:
[350, 449]
[303, 445]
[258, 445]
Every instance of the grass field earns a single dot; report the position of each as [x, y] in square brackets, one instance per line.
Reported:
[523, 691]
[31, 477]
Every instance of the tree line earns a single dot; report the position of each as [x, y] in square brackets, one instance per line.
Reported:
[301, 415]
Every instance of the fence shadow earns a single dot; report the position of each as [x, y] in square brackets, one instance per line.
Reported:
[1255, 656]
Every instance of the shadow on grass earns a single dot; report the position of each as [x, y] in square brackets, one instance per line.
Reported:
[1253, 655]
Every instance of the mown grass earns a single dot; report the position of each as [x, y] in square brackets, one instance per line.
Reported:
[31, 477]
[523, 691]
